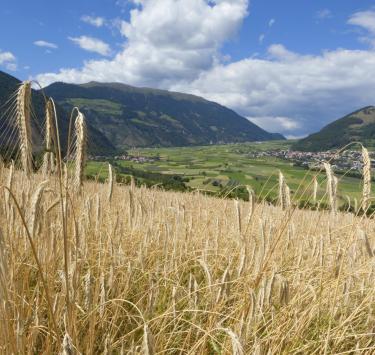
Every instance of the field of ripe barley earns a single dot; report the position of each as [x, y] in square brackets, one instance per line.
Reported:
[89, 268]
[126, 270]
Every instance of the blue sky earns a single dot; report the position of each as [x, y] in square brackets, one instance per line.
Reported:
[290, 66]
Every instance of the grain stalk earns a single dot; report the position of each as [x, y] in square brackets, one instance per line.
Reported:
[67, 345]
[36, 258]
[148, 347]
[49, 157]
[24, 126]
[237, 348]
[315, 189]
[110, 182]
[284, 192]
[35, 207]
[80, 156]
[331, 187]
[366, 179]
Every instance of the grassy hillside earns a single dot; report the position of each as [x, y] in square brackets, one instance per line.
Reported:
[151, 271]
[358, 126]
[142, 117]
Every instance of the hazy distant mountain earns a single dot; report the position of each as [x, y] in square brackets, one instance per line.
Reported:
[98, 143]
[142, 117]
[358, 126]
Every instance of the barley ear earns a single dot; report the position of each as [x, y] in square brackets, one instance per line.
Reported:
[49, 157]
[35, 207]
[281, 190]
[366, 179]
[24, 126]
[251, 199]
[369, 249]
[80, 156]
[315, 189]
[67, 346]
[110, 182]
[87, 289]
[237, 348]
[331, 186]
[284, 192]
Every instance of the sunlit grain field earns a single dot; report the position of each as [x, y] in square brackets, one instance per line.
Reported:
[89, 268]
[180, 273]
[229, 166]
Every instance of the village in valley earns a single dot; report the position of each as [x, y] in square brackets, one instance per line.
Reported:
[349, 160]
[346, 161]
[138, 159]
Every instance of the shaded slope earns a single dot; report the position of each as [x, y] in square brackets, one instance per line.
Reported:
[358, 126]
[130, 116]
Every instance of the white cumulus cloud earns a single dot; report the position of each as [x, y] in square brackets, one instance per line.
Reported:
[175, 45]
[310, 90]
[92, 44]
[41, 43]
[8, 60]
[165, 41]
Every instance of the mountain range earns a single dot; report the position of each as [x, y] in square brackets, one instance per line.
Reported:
[121, 116]
[358, 126]
[143, 117]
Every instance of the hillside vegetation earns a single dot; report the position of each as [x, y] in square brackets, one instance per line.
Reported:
[143, 117]
[89, 268]
[358, 126]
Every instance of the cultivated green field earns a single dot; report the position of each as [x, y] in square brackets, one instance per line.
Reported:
[221, 168]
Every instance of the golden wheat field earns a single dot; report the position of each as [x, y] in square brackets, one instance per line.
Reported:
[88, 268]
[159, 272]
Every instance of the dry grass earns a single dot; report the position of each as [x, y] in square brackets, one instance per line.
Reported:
[181, 273]
[126, 270]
